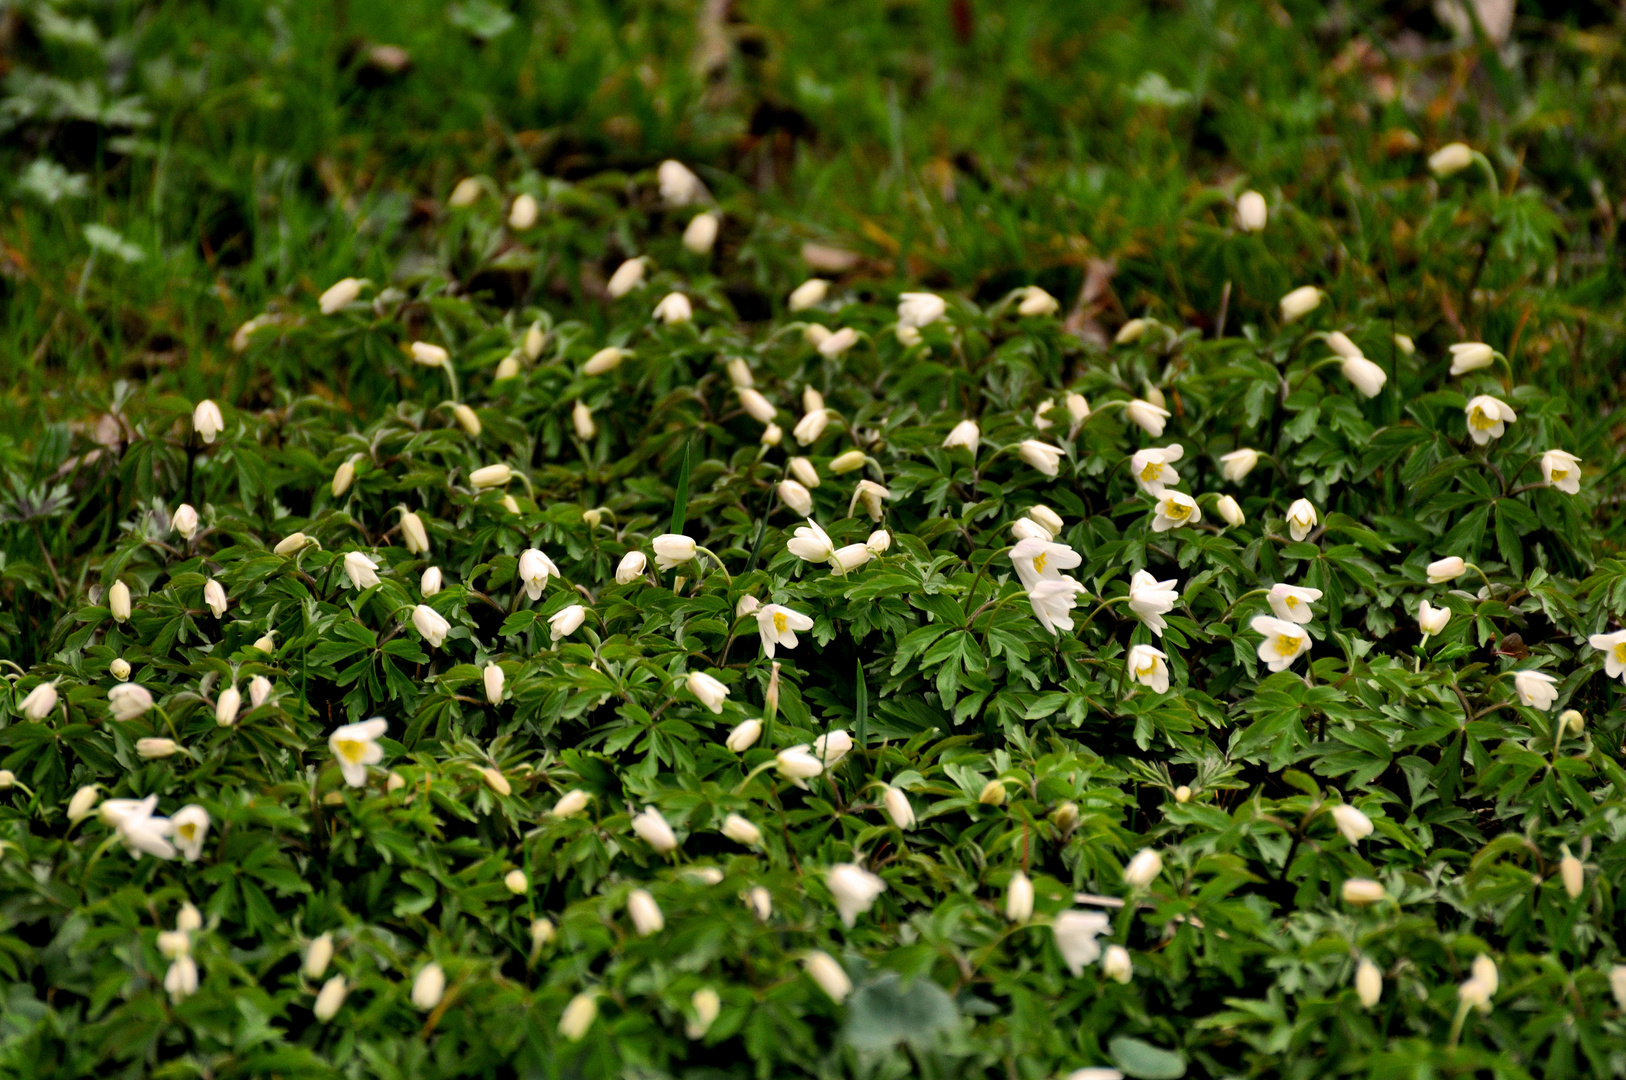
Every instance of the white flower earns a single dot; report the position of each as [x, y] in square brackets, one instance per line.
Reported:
[1301, 518]
[1028, 529]
[1300, 302]
[809, 293]
[967, 434]
[701, 234]
[1040, 421]
[779, 625]
[920, 309]
[1143, 869]
[185, 520]
[118, 601]
[1362, 891]
[1150, 418]
[181, 980]
[413, 534]
[760, 408]
[838, 342]
[896, 805]
[1284, 641]
[465, 193]
[1153, 467]
[1147, 666]
[678, 183]
[318, 956]
[1443, 570]
[1405, 344]
[355, 746]
[674, 308]
[430, 624]
[566, 621]
[870, 495]
[1151, 599]
[1367, 377]
[227, 705]
[40, 701]
[523, 213]
[854, 890]
[293, 543]
[710, 692]
[534, 570]
[1037, 302]
[491, 475]
[429, 583]
[119, 668]
[493, 678]
[1536, 689]
[797, 765]
[141, 832]
[1484, 970]
[467, 419]
[1078, 409]
[707, 1004]
[153, 748]
[1291, 602]
[804, 472]
[1251, 212]
[207, 421]
[1131, 331]
[652, 828]
[741, 831]
[82, 803]
[1558, 469]
[673, 549]
[1488, 418]
[851, 557]
[571, 803]
[811, 543]
[1613, 647]
[361, 570]
[330, 998]
[128, 701]
[1430, 619]
[339, 295]
[581, 418]
[1355, 825]
[1174, 509]
[823, 969]
[1368, 983]
[259, 691]
[847, 462]
[1039, 560]
[578, 1017]
[1450, 158]
[645, 913]
[878, 542]
[1053, 602]
[1229, 511]
[744, 736]
[1238, 463]
[631, 567]
[1469, 356]
[831, 748]
[1572, 874]
[190, 825]
[810, 427]
[627, 277]
[429, 987]
[1041, 455]
[1019, 898]
[1116, 964]
[429, 355]
[1075, 932]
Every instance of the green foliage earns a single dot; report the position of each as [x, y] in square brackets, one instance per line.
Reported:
[254, 158]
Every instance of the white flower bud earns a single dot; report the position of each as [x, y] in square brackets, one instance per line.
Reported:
[523, 213]
[227, 706]
[701, 235]
[339, 295]
[581, 417]
[493, 679]
[645, 913]
[741, 831]
[1450, 158]
[1143, 869]
[809, 294]
[118, 601]
[1116, 965]
[631, 567]
[571, 803]
[1362, 891]
[1019, 898]
[330, 998]
[318, 955]
[898, 809]
[1300, 302]
[429, 987]
[516, 882]
[578, 1016]
[1251, 212]
[1368, 983]
[207, 421]
[119, 668]
[744, 736]
[1230, 511]
[627, 277]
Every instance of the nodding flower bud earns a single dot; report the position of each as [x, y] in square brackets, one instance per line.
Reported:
[846, 463]
[1251, 212]
[627, 277]
[1300, 302]
[467, 420]
[771, 698]
[343, 477]
[429, 355]
[524, 212]
[992, 794]
[808, 294]
[1450, 158]
[339, 295]
[701, 235]
[1143, 869]
[118, 601]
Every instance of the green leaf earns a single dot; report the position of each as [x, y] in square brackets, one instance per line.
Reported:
[1144, 1061]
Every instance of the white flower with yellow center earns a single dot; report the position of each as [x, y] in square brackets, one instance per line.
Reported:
[1301, 518]
[1536, 689]
[1039, 560]
[1151, 599]
[190, 825]
[1147, 666]
[779, 625]
[1613, 647]
[1152, 468]
[1238, 463]
[1291, 602]
[355, 746]
[1284, 641]
[1488, 418]
[1175, 509]
[1562, 470]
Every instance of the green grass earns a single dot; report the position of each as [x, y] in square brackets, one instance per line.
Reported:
[180, 169]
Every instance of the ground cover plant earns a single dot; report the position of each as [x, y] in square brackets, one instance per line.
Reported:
[587, 540]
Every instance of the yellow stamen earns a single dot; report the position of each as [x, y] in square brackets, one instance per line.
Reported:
[1292, 601]
[351, 750]
[1620, 652]
[1152, 471]
[1148, 669]
[1480, 420]
[1175, 510]
[779, 621]
[1286, 645]
[1040, 561]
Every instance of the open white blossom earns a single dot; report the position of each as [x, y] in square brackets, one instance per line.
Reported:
[360, 569]
[1053, 602]
[810, 543]
[1039, 560]
[854, 890]
[778, 625]
[1153, 468]
[1151, 599]
[1291, 602]
[797, 765]
[1075, 934]
[1147, 416]
[1284, 641]
[1561, 469]
[1148, 668]
[355, 746]
[1175, 509]
[1301, 518]
[1536, 689]
[1613, 647]
[189, 827]
[1488, 418]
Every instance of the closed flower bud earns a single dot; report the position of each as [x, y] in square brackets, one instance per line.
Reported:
[652, 828]
[744, 736]
[1238, 463]
[966, 434]
[467, 420]
[871, 496]
[1019, 898]
[1362, 891]
[741, 831]
[1229, 511]
[810, 427]
[708, 690]
[227, 705]
[1300, 302]
[759, 407]
[823, 969]
[1143, 869]
[465, 193]
[674, 308]
[154, 748]
[431, 625]
[605, 360]
[797, 765]
[1368, 983]
[809, 294]
[1251, 212]
[854, 890]
[1148, 416]
[1066, 817]
[523, 213]
[581, 417]
[207, 421]
[330, 998]
[1450, 158]
[701, 234]
[127, 701]
[1443, 570]
[1182, 794]
[185, 521]
[119, 668]
[1469, 356]
[796, 497]
[118, 601]
[339, 295]
[578, 1016]
[429, 355]
[83, 802]
[1571, 873]
[631, 567]
[507, 368]
[318, 955]
[739, 374]
[897, 807]
[1041, 455]
[878, 541]
[566, 621]
[259, 691]
[992, 794]
[1131, 332]
[1116, 965]
[1047, 518]
[1573, 722]
[645, 913]
[496, 781]
[266, 642]
[847, 462]
[707, 1004]
[627, 277]
[493, 678]
[429, 987]
[516, 882]
[394, 782]
[1366, 376]
[542, 932]
[491, 475]
[1355, 825]
[571, 803]
[40, 701]
[1036, 302]
[804, 472]
[1430, 619]
[832, 747]
[430, 582]
[413, 533]
[343, 477]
